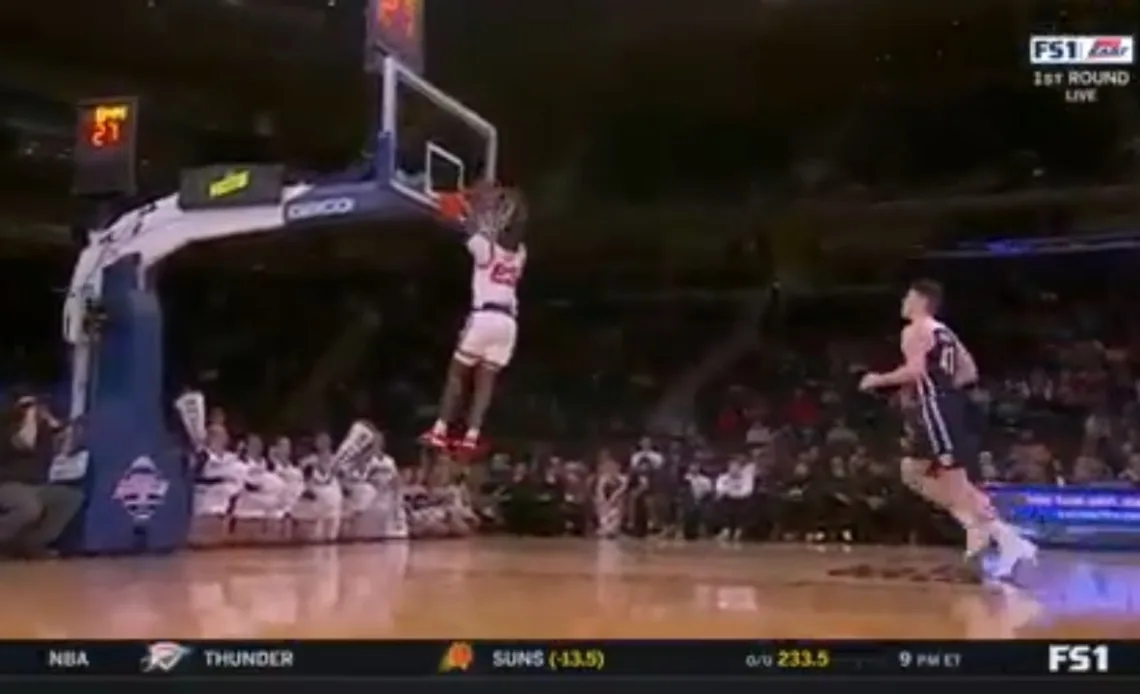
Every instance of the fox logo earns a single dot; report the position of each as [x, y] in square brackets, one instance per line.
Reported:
[1110, 47]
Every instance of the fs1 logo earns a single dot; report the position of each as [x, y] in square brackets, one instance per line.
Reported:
[1078, 658]
[1081, 50]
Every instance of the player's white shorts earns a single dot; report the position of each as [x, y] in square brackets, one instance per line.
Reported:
[488, 338]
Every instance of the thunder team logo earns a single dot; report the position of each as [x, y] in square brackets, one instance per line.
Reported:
[164, 656]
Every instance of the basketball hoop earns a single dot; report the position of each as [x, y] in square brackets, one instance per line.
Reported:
[453, 206]
[458, 205]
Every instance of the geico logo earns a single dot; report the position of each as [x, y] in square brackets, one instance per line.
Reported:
[320, 208]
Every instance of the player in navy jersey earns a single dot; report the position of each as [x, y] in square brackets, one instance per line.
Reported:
[937, 371]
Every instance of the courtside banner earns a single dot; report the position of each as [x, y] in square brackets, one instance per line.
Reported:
[1072, 516]
[727, 659]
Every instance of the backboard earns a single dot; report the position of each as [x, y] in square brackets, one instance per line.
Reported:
[427, 141]
[433, 142]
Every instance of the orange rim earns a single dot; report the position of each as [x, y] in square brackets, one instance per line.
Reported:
[453, 205]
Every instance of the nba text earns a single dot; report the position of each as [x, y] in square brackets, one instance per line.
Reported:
[1078, 658]
[67, 659]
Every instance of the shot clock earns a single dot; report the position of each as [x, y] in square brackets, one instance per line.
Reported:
[396, 28]
[106, 147]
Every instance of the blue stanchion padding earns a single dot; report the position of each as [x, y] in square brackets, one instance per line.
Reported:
[137, 491]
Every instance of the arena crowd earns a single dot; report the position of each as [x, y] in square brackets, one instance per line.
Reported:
[776, 445]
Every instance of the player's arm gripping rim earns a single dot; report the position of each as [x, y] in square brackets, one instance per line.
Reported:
[483, 213]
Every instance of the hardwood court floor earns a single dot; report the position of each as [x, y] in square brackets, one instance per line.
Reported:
[564, 588]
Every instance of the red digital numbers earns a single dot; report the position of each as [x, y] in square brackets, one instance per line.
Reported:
[104, 153]
[399, 20]
[106, 134]
[108, 125]
[397, 30]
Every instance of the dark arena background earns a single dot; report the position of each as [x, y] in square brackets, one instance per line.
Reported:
[233, 280]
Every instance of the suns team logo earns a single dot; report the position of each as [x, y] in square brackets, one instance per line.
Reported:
[458, 657]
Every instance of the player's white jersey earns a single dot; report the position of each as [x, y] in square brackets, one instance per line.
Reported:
[496, 273]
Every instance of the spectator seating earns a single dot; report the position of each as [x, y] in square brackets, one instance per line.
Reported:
[1058, 344]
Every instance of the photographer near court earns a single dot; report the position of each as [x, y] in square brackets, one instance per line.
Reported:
[34, 511]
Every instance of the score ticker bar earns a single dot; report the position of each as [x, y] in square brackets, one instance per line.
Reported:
[512, 659]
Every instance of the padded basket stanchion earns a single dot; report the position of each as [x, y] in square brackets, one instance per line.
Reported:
[137, 490]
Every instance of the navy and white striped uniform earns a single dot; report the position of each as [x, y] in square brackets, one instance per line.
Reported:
[941, 419]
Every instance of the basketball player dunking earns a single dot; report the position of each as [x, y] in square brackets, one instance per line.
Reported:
[494, 221]
[937, 370]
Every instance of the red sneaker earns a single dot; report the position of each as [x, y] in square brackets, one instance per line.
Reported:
[433, 439]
